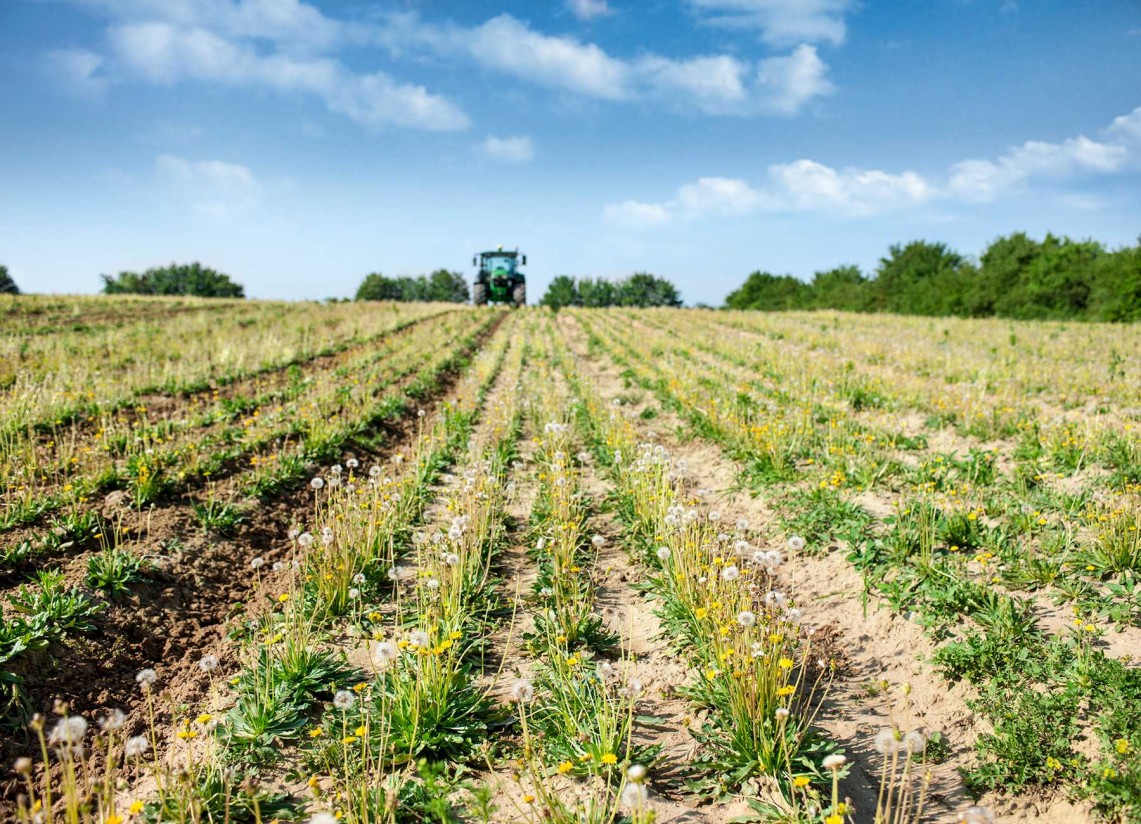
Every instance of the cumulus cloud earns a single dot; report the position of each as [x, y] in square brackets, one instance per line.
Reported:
[274, 45]
[212, 187]
[589, 9]
[78, 70]
[794, 80]
[986, 179]
[292, 24]
[511, 46]
[807, 185]
[714, 84]
[517, 150]
[163, 53]
[781, 22]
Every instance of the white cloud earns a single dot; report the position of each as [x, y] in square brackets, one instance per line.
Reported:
[508, 45]
[714, 84]
[289, 23]
[807, 185]
[212, 187]
[799, 186]
[165, 54]
[78, 70]
[794, 80]
[717, 195]
[589, 9]
[986, 179]
[637, 215]
[781, 22]
[516, 149]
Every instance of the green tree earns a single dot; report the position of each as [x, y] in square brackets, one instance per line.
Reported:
[447, 287]
[7, 285]
[762, 290]
[644, 289]
[1115, 285]
[921, 278]
[177, 279]
[562, 292]
[596, 292]
[376, 286]
[844, 288]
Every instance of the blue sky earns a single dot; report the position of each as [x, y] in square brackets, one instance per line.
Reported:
[299, 144]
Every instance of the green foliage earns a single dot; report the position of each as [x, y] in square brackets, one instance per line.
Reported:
[113, 571]
[7, 285]
[563, 291]
[639, 289]
[176, 279]
[1016, 277]
[762, 290]
[441, 286]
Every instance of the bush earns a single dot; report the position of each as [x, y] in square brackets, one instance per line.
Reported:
[192, 279]
[7, 285]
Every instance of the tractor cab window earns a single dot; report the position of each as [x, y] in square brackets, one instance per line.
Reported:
[500, 262]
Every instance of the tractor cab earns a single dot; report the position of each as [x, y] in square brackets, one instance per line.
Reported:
[499, 279]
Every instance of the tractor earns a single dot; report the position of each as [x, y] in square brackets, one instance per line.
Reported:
[499, 279]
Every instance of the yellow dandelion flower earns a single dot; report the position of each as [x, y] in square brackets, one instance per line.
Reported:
[610, 758]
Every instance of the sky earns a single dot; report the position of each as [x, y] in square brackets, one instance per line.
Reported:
[298, 145]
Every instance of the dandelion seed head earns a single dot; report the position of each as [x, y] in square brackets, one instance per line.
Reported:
[451, 559]
[663, 553]
[597, 541]
[522, 691]
[208, 663]
[385, 654]
[834, 761]
[730, 573]
[317, 483]
[146, 678]
[69, 730]
[136, 745]
[915, 742]
[114, 720]
[344, 699]
[257, 563]
[634, 796]
[796, 543]
[418, 638]
[305, 539]
[746, 618]
[885, 741]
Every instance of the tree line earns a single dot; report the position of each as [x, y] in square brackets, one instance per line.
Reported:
[441, 286]
[1016, 276]
[639, 289]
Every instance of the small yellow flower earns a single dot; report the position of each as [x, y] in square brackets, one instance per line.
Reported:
[136, 807]
[315, 732]
[1122, 746]
[283, 597]
[700, 613]
[204, 718]
[361, 687]
[785, 663]
[348, 739]
[610, 758]
[113, 819]
[834, 819]
[528, 799]
[566, 767]
[800, 781]
[787, 689]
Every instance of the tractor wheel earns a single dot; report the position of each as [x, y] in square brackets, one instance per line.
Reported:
[520, 296]
[479, 294]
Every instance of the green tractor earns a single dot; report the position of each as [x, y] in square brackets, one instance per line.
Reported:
[499, 279]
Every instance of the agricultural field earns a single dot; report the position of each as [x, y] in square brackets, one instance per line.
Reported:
[380, 562]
